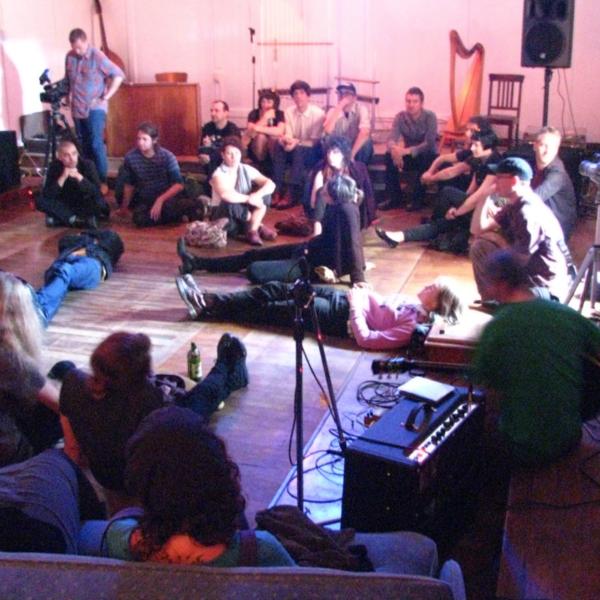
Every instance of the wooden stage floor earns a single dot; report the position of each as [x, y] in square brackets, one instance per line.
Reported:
[141, 296]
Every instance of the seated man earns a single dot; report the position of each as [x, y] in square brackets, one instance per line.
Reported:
[526, 226]
[447, 230]
[71, 194]
[84, 261]
[531, 358]
[153, 184]
[550, 180]
[361, 313]
[241, 194]
[350, 119]
[213, 133]
[411, 147]
[300, 145]
[455, 167]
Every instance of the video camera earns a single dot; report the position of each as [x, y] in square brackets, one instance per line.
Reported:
[53, 92]
[591, 169]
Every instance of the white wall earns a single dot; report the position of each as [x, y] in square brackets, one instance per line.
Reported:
[398, 42]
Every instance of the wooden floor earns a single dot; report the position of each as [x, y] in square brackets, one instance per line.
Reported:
[141, 296]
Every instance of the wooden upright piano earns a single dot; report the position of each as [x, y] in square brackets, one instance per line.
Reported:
[174, 107]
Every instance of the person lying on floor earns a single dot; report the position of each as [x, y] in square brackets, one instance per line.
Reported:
[338, 248]
[84, 261]
[99, 412]
[360, 313]
[189, 498]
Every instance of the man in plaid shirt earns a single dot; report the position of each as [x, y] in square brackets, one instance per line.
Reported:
[93, 80]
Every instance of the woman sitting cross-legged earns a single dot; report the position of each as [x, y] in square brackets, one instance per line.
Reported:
[374, 324]
[338, 248]
[191, 501]
[100, 412]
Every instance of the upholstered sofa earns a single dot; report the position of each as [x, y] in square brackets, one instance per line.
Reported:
[58, 577]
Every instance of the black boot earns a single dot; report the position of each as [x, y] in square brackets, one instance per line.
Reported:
[187, 259]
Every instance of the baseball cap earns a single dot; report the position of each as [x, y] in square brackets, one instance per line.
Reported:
[346, 88]
[513, 165]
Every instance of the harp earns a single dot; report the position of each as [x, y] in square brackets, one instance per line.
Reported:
[467, 102]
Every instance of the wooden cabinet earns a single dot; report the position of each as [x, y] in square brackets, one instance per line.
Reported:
[171, 106]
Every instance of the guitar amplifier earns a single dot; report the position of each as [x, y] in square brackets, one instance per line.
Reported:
[400, 476]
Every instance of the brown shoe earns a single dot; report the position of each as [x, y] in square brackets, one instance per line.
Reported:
[253, 238]
[267, 234]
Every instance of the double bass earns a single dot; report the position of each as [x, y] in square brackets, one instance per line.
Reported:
[114, 57]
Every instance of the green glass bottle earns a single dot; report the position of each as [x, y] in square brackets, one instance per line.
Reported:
[194, 363]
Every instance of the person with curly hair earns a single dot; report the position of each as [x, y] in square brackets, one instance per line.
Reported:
[191, 500]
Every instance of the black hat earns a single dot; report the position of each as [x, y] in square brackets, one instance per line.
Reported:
[346, 88]
[513, 166]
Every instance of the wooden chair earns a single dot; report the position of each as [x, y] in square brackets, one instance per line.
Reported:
[465, 103]
[505, 96]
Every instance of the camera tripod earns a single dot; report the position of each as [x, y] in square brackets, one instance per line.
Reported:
[58, 128]
[589, 267]
[303, 296]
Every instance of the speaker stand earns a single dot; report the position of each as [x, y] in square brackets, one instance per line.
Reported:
[547, 79]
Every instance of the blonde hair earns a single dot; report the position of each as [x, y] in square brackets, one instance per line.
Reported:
[21, 330]
[450, 305]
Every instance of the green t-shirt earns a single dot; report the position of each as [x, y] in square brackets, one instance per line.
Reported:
[532, 354]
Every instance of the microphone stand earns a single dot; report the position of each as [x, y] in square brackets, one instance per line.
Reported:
[303, 296]
[252, 33]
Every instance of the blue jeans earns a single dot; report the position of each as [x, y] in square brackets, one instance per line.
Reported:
[90, 132]
[72, 273]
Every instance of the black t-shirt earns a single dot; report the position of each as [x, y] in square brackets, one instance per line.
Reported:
[103, 426]
[480, 168]
[216, 135]
[254, 116]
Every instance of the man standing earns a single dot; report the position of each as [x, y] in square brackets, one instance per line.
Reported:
[71, 194]
[350, 119]
[300, 145]
[93, 80]
[527, 227]
[411, 147]
[213, 133]
[550, 180]
[153, 186]
[532, 358]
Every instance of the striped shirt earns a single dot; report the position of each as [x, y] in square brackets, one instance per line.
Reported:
[87, 77]
[153, 176]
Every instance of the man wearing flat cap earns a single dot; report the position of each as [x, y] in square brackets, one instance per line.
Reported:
[527, 227]
[350, 119]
